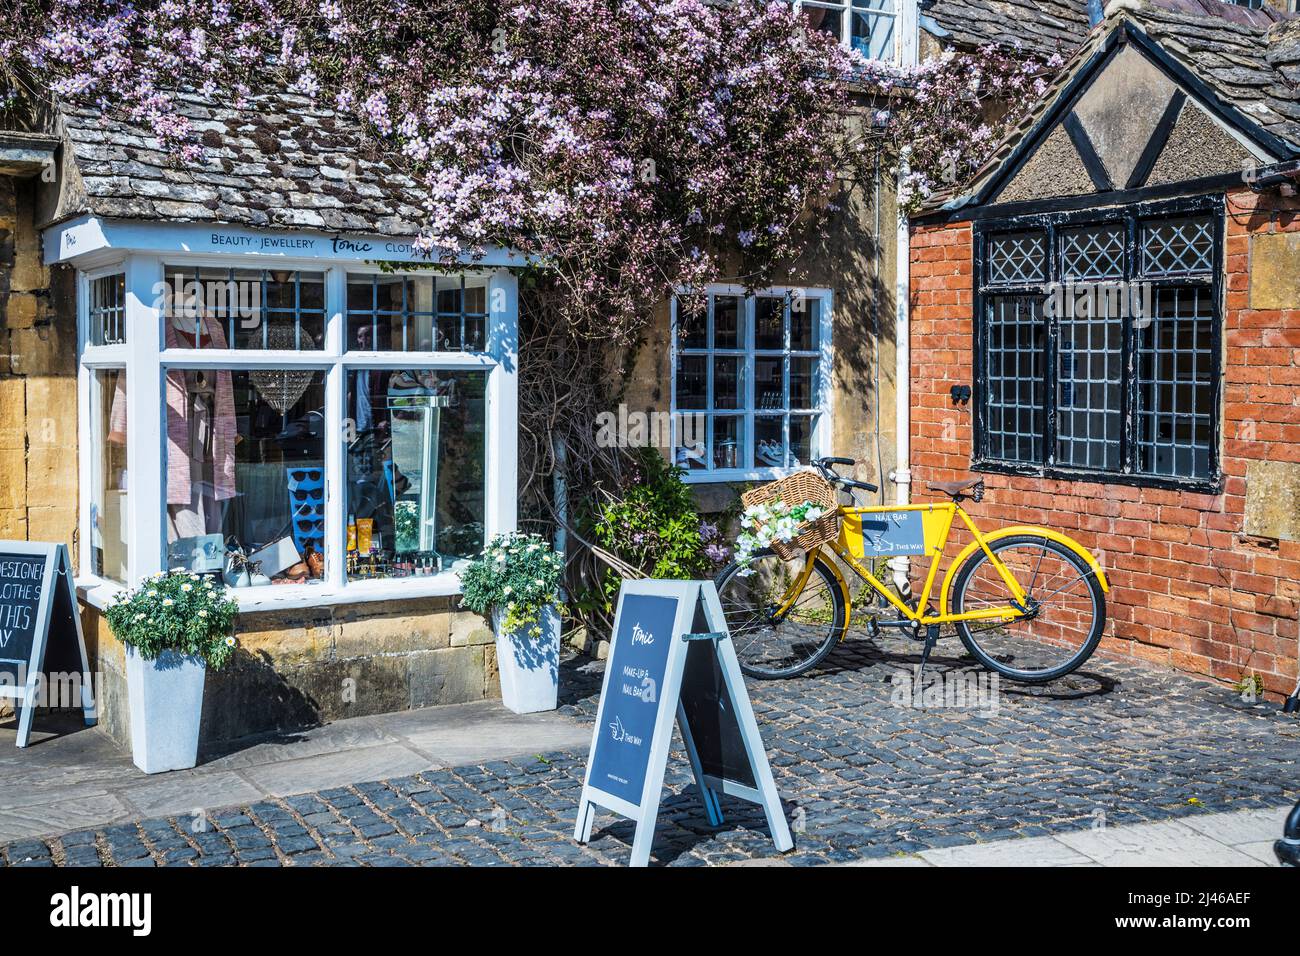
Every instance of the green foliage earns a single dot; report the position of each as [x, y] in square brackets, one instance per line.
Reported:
[1250, 687]
[518, 573]
[176, 611]
[656, 528]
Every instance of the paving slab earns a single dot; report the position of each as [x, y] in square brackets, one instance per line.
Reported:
[286, 777]
[1166, 843]
[62, 815]
[506, 734]
[1025, 851]
[343, 735]
[186, 792]
[1262, 851]
[1235, 828]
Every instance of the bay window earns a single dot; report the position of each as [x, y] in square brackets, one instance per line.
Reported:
[308, 432]
[750, 381]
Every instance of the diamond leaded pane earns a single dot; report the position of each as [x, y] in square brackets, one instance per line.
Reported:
[1018, 257]
[1178, 246]
[1094, 252]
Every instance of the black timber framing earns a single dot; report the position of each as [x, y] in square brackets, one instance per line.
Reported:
[974, 205]
[1156, 144]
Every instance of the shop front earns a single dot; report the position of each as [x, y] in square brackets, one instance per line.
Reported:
[323, 422]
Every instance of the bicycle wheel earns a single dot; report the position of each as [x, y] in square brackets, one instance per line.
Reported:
[771, 644]
[1067, 605]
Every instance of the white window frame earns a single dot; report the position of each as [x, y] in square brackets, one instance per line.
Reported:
[846, 9]
[146, 362]
[821, 433]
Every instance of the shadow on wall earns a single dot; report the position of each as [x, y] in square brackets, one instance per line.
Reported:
[854, 255]
[250, 698]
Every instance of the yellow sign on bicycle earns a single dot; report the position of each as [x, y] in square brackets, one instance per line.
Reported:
[891, 532]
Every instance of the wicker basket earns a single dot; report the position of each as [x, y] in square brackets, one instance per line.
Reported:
[794, 490]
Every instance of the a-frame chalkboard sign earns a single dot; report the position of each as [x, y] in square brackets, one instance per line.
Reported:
[671, 656]
[42, 651]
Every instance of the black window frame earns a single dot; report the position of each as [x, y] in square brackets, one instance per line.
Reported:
[1132, 216]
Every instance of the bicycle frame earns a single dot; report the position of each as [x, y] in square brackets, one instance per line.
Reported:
[938, 521]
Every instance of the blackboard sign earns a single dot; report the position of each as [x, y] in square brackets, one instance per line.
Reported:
[42, 650]
[672, 658]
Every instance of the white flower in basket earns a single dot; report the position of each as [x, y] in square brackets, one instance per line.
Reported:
[771, 521]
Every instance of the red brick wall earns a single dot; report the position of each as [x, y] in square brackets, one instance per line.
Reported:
[1188, 588]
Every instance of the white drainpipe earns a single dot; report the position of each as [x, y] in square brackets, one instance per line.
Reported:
[908, 40]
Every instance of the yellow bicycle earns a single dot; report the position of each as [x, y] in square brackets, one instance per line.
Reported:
[1028, 602]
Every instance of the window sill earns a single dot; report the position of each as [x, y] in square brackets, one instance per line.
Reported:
[98, 592]
[736, 475]
[1195, 485]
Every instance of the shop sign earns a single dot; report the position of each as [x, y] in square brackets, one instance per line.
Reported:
[40, 629]
[671, 658]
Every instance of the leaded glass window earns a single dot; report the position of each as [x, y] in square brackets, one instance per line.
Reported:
[1017, 257]
[1176, 384]
[1177, 246]
[1093, 252]
[1098, 342]
[1014, 367]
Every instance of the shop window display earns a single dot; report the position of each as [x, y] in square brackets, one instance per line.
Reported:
[415, 471]
[258, 478]
[244, 479]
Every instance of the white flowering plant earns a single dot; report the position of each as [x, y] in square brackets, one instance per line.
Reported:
[770, 521]
[516, 573]
[176, 611]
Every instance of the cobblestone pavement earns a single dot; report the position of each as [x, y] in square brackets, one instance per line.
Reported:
[861, 774]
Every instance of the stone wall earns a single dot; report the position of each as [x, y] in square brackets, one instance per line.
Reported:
[38, 353]
[38, 381]
[297, 669]
[1192, 586]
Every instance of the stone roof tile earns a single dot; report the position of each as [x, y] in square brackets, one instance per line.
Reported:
[1039, 27]
[282, 160]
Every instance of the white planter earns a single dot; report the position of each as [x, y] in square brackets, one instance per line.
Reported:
[166, 698]
[529, 666]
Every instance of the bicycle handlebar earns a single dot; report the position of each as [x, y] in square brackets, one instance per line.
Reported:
[827, 467]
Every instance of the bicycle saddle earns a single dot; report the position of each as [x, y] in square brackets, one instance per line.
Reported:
[955, 488]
